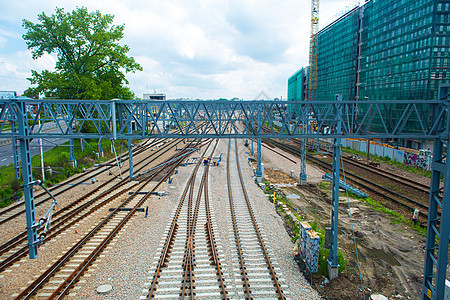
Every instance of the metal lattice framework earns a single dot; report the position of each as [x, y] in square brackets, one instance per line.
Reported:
[135, 119]
[138, 119]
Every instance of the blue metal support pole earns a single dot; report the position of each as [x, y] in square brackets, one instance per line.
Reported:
[333, 264]
[130, 158]
[130, 155]
[28, 182]
[100, 147]
[303, 176]
[72, 153]
[71, 149]
[438, 234]
[259, 173]
[113, 119]
[16, 153]
[164, 119]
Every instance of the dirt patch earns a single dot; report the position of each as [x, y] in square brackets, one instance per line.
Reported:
[278, 177]
[391, 256]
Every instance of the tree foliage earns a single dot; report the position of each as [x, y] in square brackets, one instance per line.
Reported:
[90, 64]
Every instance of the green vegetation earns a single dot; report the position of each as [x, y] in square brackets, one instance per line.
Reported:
[324, 253]
[325, 185]
[91, 63]
[396, 217]
[58, 160]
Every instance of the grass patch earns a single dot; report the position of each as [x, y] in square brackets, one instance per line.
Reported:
[325, 253]
[396, 218]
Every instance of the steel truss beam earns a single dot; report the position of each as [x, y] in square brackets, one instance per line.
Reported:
[137, 119]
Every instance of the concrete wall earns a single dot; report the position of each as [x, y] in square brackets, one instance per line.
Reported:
[405, 157]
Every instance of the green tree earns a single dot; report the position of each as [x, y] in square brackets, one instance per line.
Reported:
[91, 63]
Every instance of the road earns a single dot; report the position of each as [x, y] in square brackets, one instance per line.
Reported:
[6, 151]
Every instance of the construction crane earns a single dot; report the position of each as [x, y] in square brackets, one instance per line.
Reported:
[312, 85]
[313, 50]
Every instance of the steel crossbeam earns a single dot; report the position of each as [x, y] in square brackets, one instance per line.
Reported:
[112, 119]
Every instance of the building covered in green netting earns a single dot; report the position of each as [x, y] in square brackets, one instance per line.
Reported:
[297, 88]
[385, 50]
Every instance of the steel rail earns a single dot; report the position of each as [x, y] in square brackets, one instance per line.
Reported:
[168, 244]
[402, 180]
[280, 154]
[56, 223]
[92, 174]
[189, 257]
[276, 284]
[188, 261]
[60, 292]
[57, 227]
[245, 279]
[212, 245]
[359, 180]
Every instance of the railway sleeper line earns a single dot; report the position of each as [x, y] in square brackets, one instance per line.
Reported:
[401, 180]
[193, 251]
[395, 197]
[17, 209]
[20, 249]
[16, 249]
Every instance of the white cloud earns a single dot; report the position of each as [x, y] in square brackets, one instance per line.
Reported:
[198, 49]
[16, 68]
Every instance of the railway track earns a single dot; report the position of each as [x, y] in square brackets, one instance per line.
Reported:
[57, 280]
[392, 196]
[17, 209]
[189, 261]
[189, 264]
[16, 247]
[417, 186]
[258, 273]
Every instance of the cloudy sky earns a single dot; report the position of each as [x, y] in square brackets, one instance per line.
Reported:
[203, 49]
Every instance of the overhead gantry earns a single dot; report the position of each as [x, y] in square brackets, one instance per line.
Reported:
[23, 119]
